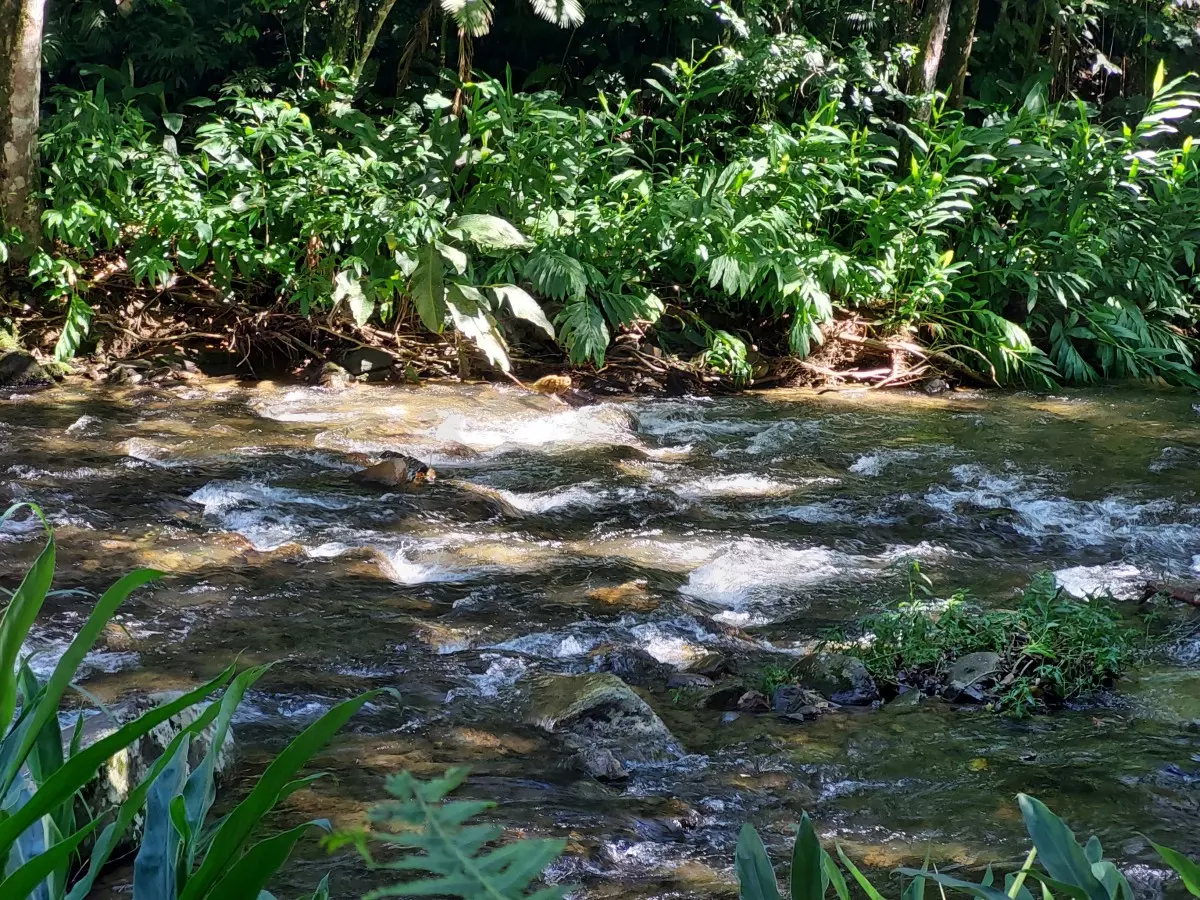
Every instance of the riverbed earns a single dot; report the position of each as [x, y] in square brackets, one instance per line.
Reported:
[735, 526]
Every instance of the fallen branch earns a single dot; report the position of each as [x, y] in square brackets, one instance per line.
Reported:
[923, 353]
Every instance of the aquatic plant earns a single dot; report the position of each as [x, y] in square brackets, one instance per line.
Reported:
[1051, 648]
[48, 834]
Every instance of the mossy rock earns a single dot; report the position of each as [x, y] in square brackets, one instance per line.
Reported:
[601, 720]
[837, 677]
[19, 369]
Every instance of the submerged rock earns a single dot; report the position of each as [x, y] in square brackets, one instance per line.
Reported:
[333, 377]
[837, 677]
[795, 701]
[601, 720]
[20, 369]
[630, 595]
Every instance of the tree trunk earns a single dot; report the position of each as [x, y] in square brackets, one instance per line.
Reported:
[923, 78]
[345, 25]
[364, 53]
[21, 23]
[952, 74]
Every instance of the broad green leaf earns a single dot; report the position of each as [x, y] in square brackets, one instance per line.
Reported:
[563, 13]
[490, 232]
[347, 287]
[80, 768]
[807, 876]
[19, 617]
[25, 880]
[1160, 76]
[523, 306]
[1187, 869]
[468, 311]
[111, 836]
[75, 329]
[156, 865]
[835, 877]
[45, 713]
[1058, 851]
[429, 289]
[981, 891]
[753, 867]
[250, 874]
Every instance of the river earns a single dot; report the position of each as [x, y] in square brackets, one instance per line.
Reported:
[756, 523]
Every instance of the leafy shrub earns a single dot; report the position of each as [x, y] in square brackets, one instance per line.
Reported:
[1052, 647]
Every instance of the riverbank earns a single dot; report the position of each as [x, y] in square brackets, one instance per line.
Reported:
[138, 334]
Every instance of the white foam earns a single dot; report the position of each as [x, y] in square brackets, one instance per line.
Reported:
[502, 673]
[590, 426]
[402, 570]
[580, 496]
[1038, 514]
[754, 570]
[551, 645]
[781, 435]
[267, 516]
[731, 487]
[1121, 580]
[875, 464]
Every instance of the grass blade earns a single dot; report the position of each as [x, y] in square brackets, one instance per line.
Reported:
[25, 880]
[807, 878]
[80, 769]
[19, 617]
[235, 830]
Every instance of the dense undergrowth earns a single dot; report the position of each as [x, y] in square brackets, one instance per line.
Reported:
[728, 203]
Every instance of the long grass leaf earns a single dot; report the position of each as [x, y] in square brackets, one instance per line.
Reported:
[82, 767]
[236, 829]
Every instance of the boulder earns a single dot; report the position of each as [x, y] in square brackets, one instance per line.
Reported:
[631, 664]
[128, 767]
[368, 361]
[600, 720]
[689, 681]
[837, 677]
[967, 671]
[19, 369]
[397, 471]
[630, 595]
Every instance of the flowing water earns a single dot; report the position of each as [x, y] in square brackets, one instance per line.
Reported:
[755, 523]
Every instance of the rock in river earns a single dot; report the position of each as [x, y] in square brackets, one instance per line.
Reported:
[397, 470]
[971, 669]
[601, 720]
[837, 677]
[129, 766]
[18, 369]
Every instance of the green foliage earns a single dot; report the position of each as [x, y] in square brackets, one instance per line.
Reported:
[1067, 868]
[1052, 647]
[458, 859]
[55, 845]
[742, 178]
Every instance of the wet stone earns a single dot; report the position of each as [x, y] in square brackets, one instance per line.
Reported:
[839, 678]
[968, 671]
[631, 664]
[600, 720]
[794, 701]
[19, 369]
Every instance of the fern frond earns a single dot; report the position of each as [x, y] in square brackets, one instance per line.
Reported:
[456, 854]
